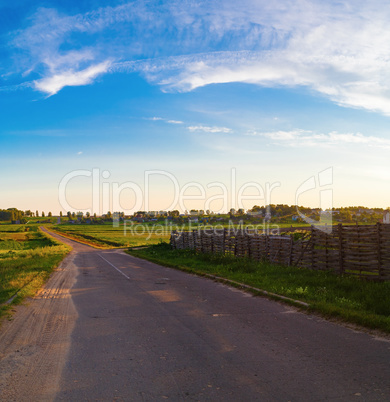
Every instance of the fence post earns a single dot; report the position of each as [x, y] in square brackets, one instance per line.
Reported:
[173, 239]
[313, 242]
[291, 250]
[379, 249]
[326, 252]
[248, 238]
[341, 248]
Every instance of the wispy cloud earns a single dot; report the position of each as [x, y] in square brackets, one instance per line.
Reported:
[336, 49]
[168, 121]
[207, 129]
[53, 84]
[202, 128]
[306, 138]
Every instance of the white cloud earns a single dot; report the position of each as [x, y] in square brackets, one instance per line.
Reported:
[208, 129]
[306, 138]
[165, 120]
[51, 85]
[337, 49]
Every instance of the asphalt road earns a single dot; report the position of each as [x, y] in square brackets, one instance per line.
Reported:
[144, 332]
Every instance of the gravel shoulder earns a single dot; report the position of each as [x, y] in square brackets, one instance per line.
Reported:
[34, 343]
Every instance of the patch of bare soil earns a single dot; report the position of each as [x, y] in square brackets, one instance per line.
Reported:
[35, 342]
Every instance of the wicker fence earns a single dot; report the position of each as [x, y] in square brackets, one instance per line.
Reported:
[358, 250]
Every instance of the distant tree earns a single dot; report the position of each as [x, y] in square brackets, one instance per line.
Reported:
[43, 214]
[109, 215]
[73, 215]
[11, 214]
[88, 214]
[94, 215]
[61, 214]
[37, 213]
[68, 214]
[49, 214]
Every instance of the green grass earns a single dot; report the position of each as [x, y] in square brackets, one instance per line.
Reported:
[108, 236]
[352, 300]
[27, 257]
[126, 235]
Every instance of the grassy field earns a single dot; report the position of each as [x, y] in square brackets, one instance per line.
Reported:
[27, 257]
[349, 299]
[108, 236]
[130, 234]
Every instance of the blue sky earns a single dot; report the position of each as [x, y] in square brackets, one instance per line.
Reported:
[276, 93]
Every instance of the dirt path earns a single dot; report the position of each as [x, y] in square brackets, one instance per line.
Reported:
[35, 343]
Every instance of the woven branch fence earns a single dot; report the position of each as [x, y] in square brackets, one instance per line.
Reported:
[358, 250]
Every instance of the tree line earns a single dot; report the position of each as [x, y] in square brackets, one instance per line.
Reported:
[12, 214]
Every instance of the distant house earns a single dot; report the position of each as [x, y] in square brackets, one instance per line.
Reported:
[386, 217]
[139, 218]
